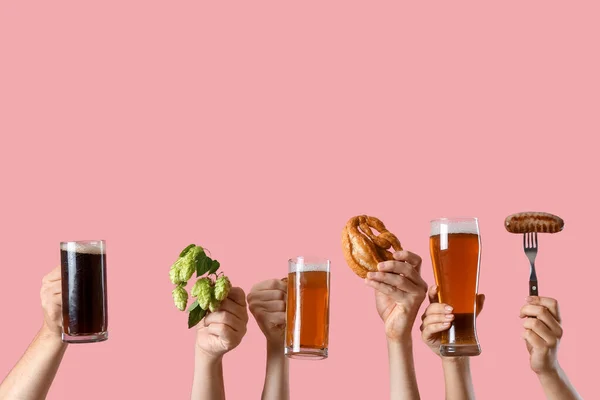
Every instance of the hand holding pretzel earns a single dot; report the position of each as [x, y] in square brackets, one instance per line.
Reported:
[363, 249]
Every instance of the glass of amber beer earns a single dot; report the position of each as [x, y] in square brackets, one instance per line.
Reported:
[455, 247]
[307, 322]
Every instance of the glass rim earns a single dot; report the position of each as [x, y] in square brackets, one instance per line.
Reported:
[455, 219]
[310, 260]
[310, 263]
[84, 246]
[97, 241]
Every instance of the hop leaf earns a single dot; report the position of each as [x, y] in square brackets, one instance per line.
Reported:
[180, 297]
[203, 290]
[222, 287]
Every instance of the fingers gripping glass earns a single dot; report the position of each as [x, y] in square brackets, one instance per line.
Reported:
[455, 247]
[307, 322]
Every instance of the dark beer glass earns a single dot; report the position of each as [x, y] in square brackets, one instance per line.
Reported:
[455, 247]
[84, 302]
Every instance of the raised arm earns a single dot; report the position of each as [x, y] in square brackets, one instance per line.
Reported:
[543, 332]
[32, 376]
[399, 292]
[457, 370]
[218, 333]
[267, 303]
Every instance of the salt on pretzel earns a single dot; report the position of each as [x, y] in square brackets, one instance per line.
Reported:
[363, 249]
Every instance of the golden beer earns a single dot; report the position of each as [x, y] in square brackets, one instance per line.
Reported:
[455, 247]
[307, 327]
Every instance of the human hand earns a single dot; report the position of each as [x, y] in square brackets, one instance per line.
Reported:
[542, 333]
[222, 331]
[51, 297]
[438, 317]
[399, 292]
[267, 303]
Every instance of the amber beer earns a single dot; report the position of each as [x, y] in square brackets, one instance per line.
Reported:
[455, 247]
[307, 327]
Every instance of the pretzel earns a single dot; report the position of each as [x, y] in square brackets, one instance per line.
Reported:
[533, 222]
[363, 249]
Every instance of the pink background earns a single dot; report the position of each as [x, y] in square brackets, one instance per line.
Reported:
[257, 129]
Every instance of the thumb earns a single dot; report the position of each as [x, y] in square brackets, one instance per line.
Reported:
[479, 303]
[432, 293]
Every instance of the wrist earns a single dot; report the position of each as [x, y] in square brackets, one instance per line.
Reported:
[208, 359]
[401, 344]
[455, 362]
[551, 374]
[50, 334]
[275, 348]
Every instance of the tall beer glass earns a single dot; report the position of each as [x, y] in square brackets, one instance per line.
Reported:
[455, 247]
[307, 326]
[84, 303]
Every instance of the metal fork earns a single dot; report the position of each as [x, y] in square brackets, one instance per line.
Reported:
[530, 246]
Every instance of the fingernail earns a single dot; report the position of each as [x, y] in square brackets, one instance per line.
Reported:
[380, 266]
[530, 299]
[370, 274]
[449, 316]
[445, 323]
[435, 287]
[448, 308]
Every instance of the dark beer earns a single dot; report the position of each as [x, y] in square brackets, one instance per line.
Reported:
[307, 329]
[85, 316]
[455, 252]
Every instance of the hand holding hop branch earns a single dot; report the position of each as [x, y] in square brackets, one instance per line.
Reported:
[209, 290]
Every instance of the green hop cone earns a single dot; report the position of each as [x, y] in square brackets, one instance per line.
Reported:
[174, 273]
[222, 287]
[188, 263]
[180, 297]
[187, 269]
[214, 305]
[203, 292]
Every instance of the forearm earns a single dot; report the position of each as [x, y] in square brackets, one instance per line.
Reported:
[556, 386]
[33, 374]
[277, 385]
[208, 378]
[457, 377]
[403, 380]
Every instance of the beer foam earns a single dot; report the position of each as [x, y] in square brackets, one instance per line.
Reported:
[300, 265]
[92, 247]
[450, 226]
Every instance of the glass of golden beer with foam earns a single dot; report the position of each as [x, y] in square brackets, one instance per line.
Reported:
[455, 247]
[307, 320]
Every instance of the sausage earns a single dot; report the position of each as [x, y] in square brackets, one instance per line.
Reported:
[533, 222]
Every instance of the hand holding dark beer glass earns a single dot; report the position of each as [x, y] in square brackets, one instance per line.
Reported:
[84, 300]
[455, 247]
[51, 296]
